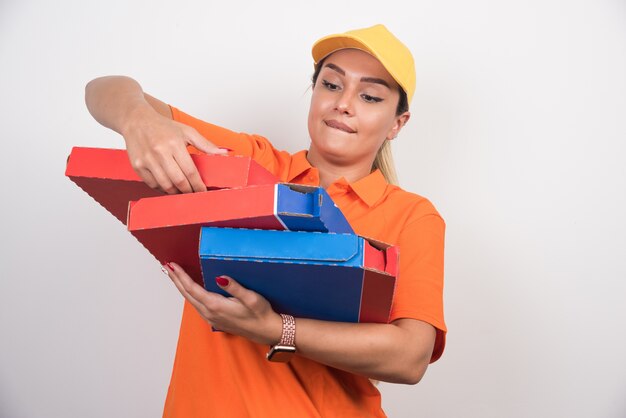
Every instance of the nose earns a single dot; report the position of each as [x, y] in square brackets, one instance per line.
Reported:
[344, 104]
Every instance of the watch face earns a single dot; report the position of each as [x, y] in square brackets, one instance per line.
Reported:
[281, 353]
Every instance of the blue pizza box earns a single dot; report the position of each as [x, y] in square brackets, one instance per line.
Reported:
[333, 277]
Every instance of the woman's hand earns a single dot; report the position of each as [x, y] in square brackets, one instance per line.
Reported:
[157, 149]
[246, 313]
[157, 145]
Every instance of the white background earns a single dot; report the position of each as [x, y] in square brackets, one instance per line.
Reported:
[518, 136]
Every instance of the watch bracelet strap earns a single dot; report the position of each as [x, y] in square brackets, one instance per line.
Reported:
[288, 336]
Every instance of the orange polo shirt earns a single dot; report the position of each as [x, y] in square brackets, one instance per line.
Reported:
[221, 375]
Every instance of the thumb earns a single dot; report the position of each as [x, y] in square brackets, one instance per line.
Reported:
[203, 144]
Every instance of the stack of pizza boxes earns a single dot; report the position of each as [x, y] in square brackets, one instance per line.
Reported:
[288, 242]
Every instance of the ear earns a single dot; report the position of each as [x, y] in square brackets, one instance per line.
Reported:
[399, 123]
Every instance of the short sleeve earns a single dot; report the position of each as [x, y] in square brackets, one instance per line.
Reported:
[255, 146]
[419, 288]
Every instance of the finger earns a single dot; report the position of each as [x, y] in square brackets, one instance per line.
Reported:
[148, 178]
[203, 144]
[153, 166]
[175, 174]
[194, 302]
[247, 297]
[163, 180]
[209, 299]
[144, 173]
[189, 169]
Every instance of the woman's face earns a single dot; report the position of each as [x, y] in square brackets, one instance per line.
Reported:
[353, 109]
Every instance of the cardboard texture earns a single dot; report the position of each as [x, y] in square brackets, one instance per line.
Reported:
[335, 277]
[169, 226]
[108, 177]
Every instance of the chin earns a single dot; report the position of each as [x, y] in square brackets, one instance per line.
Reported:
[330, 146]
[337, 156]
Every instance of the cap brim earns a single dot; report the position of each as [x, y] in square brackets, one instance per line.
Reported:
[329, 44]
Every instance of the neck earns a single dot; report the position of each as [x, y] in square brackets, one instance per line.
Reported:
[330, 171]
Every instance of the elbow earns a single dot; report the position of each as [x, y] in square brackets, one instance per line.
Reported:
[412, 368]
[90, 85]
[97, 83]
[101, 79]
[408, 375]
[410, 352]
[413, 376]
[89, 88]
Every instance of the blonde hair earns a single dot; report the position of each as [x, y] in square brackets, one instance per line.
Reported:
[384, 162]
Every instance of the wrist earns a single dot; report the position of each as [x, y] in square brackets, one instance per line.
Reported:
[139, 113]
[274, 330]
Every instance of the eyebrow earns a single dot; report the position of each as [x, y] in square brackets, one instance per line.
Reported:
[363, 79]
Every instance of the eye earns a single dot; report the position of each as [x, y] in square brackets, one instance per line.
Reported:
[371, 99]
[330, 86]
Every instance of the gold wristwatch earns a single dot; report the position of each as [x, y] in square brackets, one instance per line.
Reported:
[286, 348]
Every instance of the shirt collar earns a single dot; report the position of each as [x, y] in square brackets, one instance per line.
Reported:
[370, 189]
[299, 164]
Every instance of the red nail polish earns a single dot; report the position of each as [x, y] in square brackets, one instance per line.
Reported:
[227, 149]
[169, 266]
[222, 281]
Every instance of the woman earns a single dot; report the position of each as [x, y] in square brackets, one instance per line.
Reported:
[363, 82]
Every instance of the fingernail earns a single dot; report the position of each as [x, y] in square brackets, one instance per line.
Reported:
[227, 149]
[169, 266]
[164, 270]
[222, 281]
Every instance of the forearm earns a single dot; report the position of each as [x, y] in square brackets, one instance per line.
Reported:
[115, 100]
[398, 352]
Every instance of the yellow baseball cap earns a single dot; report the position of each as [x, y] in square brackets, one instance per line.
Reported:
[379, 42]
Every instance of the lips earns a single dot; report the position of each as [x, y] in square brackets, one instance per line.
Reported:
[338, 125]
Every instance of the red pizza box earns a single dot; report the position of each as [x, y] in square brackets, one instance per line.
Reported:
[108, 177]
[169, 226]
